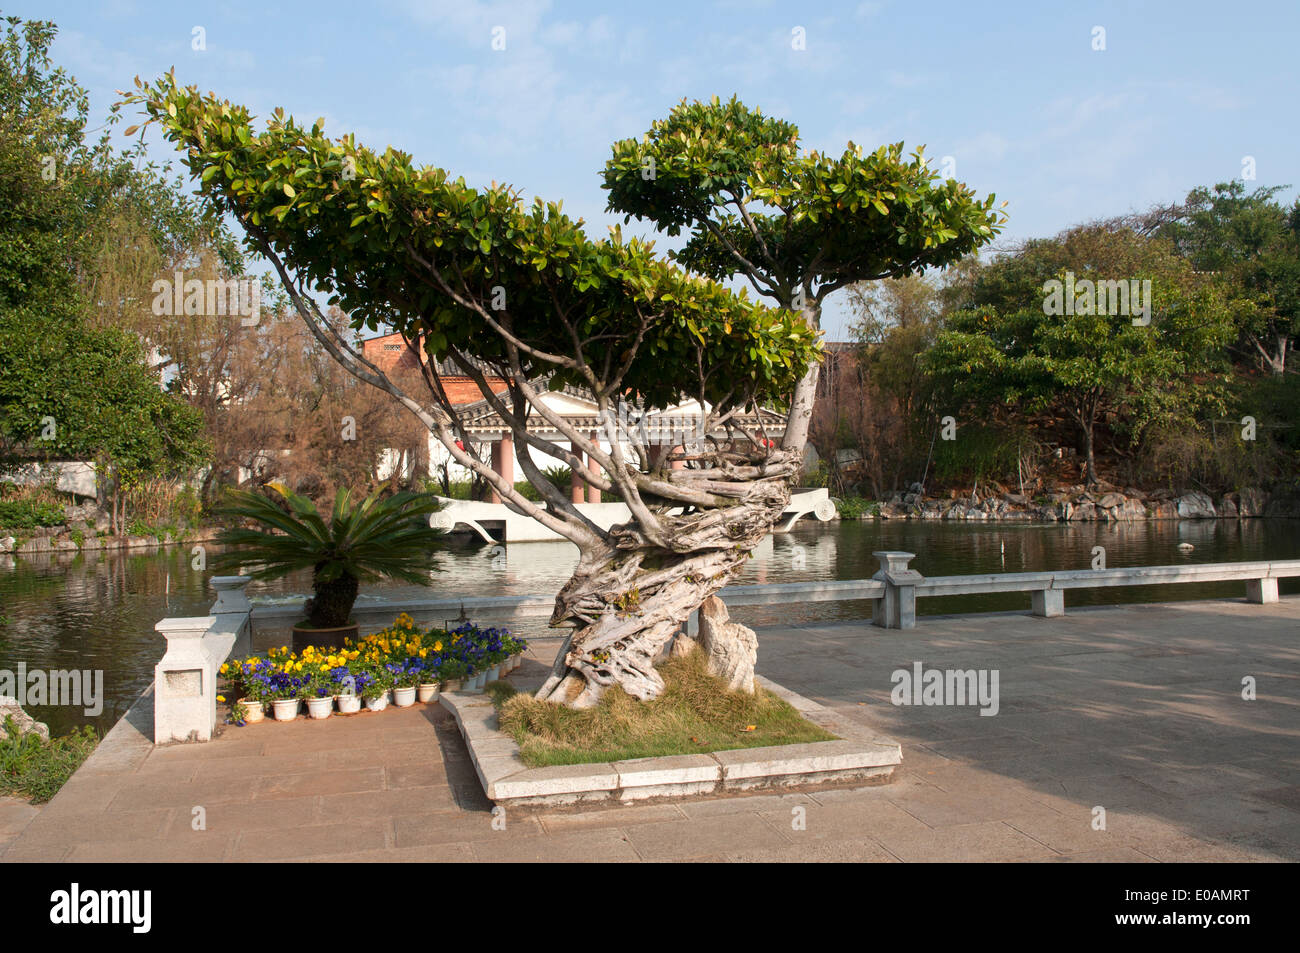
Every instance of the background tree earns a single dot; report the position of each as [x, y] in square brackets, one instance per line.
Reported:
[87, 394]
[1253, 243]
[1088, 366]
[70, 386]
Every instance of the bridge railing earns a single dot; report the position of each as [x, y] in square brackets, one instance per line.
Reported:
[893, 591]
[186, 676]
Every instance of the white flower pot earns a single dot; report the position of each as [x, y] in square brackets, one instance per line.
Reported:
[404, 697]
[428, 692]
[253, 711]
[492, 674]
[348, 704]
[377, 704]
[476, 683]
[320, 707]
[286, 709]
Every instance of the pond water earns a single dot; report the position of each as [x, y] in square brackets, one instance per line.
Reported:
[98, 611]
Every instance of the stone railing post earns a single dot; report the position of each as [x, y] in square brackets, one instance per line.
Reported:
[232, 602]
[185, 682]
[230, 594]
[896, 609]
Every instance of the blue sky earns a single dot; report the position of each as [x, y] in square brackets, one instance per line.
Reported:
[1014, 93]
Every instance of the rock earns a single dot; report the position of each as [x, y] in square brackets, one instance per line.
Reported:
[9, 708]
[1250, 502]
[102, 523]
[1196, 506]
[732, 648]
[1131, 509]
[1111, 500]
[1162, 510]
[893, 511]
[1017, 499]
[1084, 511]
[7, 544]
[683, 645]
[65, 545]
[1227, 508]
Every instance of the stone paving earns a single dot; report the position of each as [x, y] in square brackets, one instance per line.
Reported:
[1137, 710]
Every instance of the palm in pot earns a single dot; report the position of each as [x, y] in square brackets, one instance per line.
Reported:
[359, 542]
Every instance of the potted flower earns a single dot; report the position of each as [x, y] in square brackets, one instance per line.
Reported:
[452, 673]
[319, 695]
[406, 676]
[347, 689]
[516, 647]
[284, 690]
[376, 538]
[426, 690]
[246, 688]
[378, 680]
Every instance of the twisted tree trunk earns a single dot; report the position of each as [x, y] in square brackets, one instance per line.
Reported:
[627, 600]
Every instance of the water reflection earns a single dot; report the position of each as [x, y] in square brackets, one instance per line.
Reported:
[98, 611]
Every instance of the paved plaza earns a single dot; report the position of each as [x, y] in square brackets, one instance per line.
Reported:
[1135, 710]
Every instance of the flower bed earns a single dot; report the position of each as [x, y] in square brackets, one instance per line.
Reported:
[402, 662]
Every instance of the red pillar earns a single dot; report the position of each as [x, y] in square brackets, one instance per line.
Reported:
[503, 462]
[577, 493]
[593, 492]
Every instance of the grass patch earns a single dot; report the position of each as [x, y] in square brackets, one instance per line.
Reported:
[694, 715]
[35, 769]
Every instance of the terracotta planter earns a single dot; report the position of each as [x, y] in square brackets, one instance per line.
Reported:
[286, 709]
[452, 685]
[427, 692]
[253, 711]
[348, 704]
[323, 638]
[404, 697]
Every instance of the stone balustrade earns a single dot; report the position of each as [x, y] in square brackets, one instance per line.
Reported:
[185, 678]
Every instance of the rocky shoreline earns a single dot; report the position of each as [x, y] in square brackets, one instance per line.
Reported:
[1078, 504]
[74, 539]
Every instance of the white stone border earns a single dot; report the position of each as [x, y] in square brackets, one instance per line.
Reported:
[859, 754]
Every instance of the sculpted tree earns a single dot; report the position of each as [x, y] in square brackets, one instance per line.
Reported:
[522, 294]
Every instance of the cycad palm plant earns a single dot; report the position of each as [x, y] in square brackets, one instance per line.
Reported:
[376, 538]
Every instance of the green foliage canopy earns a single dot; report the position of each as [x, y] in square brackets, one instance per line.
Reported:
[474, 270]
[797, 225]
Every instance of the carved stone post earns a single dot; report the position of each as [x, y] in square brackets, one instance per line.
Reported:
[185, 683]
[897, 608]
